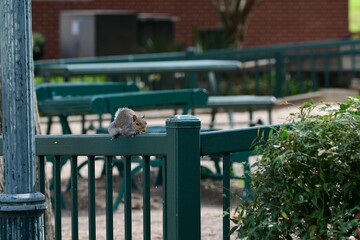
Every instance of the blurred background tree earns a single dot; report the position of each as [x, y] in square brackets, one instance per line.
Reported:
[234, 15]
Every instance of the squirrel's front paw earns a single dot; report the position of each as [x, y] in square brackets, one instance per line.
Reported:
[114, 136]
[136, 133]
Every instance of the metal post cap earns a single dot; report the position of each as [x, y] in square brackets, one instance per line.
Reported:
[183, 121]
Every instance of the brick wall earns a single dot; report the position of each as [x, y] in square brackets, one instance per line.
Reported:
[283, 21]
[274, 21]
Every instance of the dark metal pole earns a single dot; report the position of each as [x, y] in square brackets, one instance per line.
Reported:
[21, 207]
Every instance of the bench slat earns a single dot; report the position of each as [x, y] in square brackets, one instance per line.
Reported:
[241, 101]
[186, 98]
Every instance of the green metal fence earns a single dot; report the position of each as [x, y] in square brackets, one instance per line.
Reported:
[181, 148]
[278, 70]
[181, 159]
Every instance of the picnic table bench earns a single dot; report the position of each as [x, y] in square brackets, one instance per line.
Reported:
[65, 106]
[248, 103]
[64, 99]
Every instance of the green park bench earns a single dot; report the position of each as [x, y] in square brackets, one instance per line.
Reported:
[247, 103]
[67, 105]
[64, 99]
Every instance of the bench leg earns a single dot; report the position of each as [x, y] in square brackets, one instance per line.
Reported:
[270, 116]
[65, 124]
[231, 117]
[251, 115]
[83, 120]
[213, 114]
[49, 125]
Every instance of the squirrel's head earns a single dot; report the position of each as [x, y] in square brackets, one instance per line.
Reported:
[139, 123]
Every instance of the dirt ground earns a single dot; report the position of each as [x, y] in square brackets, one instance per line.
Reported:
[211, 190]
[211, 202]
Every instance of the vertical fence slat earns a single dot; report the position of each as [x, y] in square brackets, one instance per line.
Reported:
[164, 194]
[91, 197]
[353, 61]
[299, 76]
[42, 179]
[340, 68]
[279, 74]
[326, 69]
[127, 205]
[313, 67]
[58, 196]
[271, 76]
[244, 81]
[257, 77]
[109, 197]
[74, 199]
[42, 174]
[226, 196]
[146, 198]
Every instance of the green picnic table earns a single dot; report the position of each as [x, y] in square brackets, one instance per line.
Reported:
[191, 67]
[141, 67]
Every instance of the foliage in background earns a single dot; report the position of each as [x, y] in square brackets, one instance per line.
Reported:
[38, 45]
[160, 44]
[209, 38]
[307, 182]
[354, 16]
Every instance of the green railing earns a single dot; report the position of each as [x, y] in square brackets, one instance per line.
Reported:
[278, 70]
[180, 148]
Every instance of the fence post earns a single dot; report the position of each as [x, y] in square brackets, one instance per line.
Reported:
[279, 74]
[182, 174]
[21, 207]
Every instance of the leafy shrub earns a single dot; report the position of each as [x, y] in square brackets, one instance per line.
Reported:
[38, 45]
[307, 183]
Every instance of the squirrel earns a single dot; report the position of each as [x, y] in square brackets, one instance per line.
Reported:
[127, 123]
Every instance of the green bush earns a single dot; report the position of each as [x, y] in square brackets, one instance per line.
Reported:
[307, 183]
[38, 45]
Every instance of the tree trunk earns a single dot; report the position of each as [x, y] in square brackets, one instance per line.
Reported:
[234, 15]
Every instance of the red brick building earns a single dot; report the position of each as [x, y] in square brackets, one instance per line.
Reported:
[272, 22]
